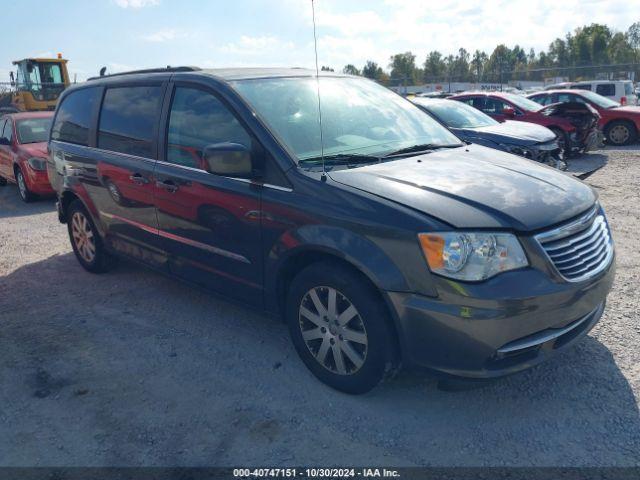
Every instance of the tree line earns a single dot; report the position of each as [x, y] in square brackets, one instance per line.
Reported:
[589, 50]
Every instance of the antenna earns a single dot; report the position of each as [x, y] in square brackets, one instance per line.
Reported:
[315, 47]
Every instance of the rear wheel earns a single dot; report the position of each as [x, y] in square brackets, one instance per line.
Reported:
[3, 181]
[85, 240]
[23, 188]
[341, 328]
[620, 132]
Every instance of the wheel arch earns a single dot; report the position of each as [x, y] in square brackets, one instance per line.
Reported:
[69, 196]
[297, 248]
[298, 261]
[630, 122]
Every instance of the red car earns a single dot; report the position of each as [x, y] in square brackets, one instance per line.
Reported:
[509, 106]
[23, 152]
[621, 125]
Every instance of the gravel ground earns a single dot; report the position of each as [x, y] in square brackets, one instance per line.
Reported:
[132, 368]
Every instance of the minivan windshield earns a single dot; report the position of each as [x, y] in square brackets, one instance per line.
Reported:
[360, 119]
[457, 114]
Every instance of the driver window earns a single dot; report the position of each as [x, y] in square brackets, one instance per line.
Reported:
[198, 119]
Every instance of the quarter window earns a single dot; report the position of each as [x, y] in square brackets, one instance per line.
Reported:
[199, 119]
[74, 116]
[128, 119]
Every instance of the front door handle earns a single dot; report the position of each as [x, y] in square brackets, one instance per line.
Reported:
[138, 179]
[167, 185]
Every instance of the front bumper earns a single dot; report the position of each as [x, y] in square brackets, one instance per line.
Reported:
[491, 329]
[38, 181]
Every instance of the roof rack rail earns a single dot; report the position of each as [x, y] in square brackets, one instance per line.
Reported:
[167, 69]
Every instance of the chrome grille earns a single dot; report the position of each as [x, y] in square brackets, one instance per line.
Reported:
[581, 248]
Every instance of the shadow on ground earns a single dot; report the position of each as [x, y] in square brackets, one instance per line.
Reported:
[132, 368]
[11, 205]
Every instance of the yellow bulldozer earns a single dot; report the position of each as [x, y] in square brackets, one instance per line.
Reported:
[36, 85]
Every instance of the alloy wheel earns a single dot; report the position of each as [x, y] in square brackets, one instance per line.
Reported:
[83, 237]
[619, 134]
[333, 330]
[22, 186]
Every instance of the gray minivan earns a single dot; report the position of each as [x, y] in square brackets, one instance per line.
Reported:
[379, 236]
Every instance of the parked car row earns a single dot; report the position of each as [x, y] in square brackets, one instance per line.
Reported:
[379, 236]
[528, 140]
[576, 128]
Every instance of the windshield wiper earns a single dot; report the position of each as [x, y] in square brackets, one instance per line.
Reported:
[425, 147]
[341, 159]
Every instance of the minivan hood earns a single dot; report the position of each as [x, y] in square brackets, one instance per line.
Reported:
[513, 133]
[475, 187]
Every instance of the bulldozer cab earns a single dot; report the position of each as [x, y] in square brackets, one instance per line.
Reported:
[38, 83]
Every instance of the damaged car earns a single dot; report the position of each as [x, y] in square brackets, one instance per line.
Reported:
[561, 121]
[620, 124]
[525, 139]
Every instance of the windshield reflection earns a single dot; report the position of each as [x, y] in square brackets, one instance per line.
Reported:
[358, 116]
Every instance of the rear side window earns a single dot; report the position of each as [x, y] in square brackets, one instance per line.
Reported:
[199, 119]
[606, 89]
[584, 86]
[74, 116]
[128, 118]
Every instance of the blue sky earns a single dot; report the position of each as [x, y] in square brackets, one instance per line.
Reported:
[127, 34]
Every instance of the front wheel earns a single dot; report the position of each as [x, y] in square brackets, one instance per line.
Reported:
[23, 188]
[85, 240]
[341, 328]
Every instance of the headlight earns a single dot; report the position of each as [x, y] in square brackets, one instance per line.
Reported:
[472, 256]
[37, 163]
[517, 150]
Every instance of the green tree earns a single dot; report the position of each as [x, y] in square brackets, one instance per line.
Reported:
[403, 68]
[478, 64]
[350, 70]
[433, 67]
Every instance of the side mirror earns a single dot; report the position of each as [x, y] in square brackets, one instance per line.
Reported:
[12, 79]
[508, 111]
[4, 141]
[228, 159]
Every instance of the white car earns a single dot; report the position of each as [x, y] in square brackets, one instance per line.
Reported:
[620, 91]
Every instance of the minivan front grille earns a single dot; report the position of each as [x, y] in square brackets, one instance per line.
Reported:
[580, 249]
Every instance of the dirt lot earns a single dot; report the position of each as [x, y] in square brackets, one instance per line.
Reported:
[131, 368]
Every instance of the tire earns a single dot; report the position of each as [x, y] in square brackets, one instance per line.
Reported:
[86, 241]
[3, 181]
[620, 132]
[563, 140]
[359, 350]
[23, 188]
